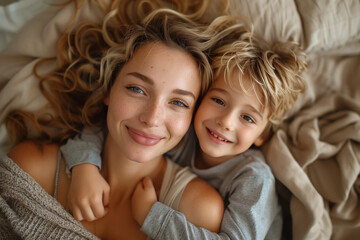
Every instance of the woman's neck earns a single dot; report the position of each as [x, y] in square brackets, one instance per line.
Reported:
[123, 174]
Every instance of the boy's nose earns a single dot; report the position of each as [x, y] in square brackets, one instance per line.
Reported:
[226, 121]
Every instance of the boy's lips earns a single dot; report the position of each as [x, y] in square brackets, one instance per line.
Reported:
[143, 138]
[217, 136]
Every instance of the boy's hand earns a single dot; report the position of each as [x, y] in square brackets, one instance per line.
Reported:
[89, 193]
[143, 198]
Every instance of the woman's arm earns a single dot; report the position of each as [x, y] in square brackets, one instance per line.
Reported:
[202, 205]
[39, 160]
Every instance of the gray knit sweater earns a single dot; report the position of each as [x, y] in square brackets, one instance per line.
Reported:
[27, 211]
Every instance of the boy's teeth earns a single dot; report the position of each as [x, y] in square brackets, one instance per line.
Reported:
[224, 140]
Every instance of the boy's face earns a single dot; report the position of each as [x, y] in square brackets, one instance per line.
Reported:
[229, 121]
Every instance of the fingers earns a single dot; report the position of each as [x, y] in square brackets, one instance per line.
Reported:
[76, 212]
[98, 211]
[106, 196]
[87, 213]
[144, 196]
[147, 184]
[139, 188]
[90, 211]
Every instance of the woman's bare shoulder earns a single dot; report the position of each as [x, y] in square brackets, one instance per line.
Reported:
[202, 205]
[39, 160]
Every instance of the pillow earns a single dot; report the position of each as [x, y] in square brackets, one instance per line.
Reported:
[326, 27]
[14, 14]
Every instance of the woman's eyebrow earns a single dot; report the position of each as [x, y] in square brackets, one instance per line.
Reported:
[141, 77]
[151, 82]
[184, 92]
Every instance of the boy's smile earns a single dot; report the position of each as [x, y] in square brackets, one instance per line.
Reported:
[217, 137]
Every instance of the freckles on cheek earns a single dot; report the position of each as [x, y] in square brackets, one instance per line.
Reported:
[181, 126]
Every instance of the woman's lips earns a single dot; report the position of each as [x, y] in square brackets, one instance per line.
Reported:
[143, 138]
[217, 137]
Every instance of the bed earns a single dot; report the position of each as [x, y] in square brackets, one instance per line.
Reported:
[314, 154]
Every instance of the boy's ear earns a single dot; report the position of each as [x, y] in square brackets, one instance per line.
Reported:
[106, 101]
[264, 136]
[260, 140]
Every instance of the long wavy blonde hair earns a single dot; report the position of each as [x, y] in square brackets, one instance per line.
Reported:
[91, 55]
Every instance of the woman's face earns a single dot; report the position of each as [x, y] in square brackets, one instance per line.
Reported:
[151, 103]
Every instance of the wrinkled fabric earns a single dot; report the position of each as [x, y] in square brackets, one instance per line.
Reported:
[27, 211]
[316, 155]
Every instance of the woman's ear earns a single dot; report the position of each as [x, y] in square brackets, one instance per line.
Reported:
[106, 101]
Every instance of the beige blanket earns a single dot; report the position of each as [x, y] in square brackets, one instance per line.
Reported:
[315, 153]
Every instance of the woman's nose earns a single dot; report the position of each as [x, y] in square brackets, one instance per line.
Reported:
[153, 114]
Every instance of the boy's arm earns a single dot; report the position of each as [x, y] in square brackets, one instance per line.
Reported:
[252, 211]
[242, 220]
[160, 221]
[84, 148]
[89, 193]
[163, 222]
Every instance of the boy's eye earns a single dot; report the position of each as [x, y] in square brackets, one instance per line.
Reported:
[135, 89]
[180, 103]
[218, 101]
[248, 119]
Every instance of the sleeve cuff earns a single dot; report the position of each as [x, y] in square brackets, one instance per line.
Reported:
[76, 153]
[156, 220]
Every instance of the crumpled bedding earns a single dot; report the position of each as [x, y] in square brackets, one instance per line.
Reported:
[314, 154]
[317, 157]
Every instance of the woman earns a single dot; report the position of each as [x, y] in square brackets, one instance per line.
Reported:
[148, 102]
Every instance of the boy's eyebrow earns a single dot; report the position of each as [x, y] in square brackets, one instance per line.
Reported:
[253, 109]
[151, 82]
[217, 89]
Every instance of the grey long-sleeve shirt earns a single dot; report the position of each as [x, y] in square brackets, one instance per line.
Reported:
[245, 182]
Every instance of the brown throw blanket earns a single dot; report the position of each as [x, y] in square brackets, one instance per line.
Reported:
[28, 212]
[316, 155]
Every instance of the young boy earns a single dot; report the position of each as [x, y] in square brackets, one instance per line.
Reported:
[253, 89]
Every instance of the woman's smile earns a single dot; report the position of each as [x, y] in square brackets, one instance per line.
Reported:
[143, 138]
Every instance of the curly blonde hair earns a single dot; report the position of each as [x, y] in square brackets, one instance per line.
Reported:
[91, 55]
[275, 72]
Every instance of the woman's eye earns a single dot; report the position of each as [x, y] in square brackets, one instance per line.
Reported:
[135, 89]
[218, 101]
[180, 103]
[248, 119]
